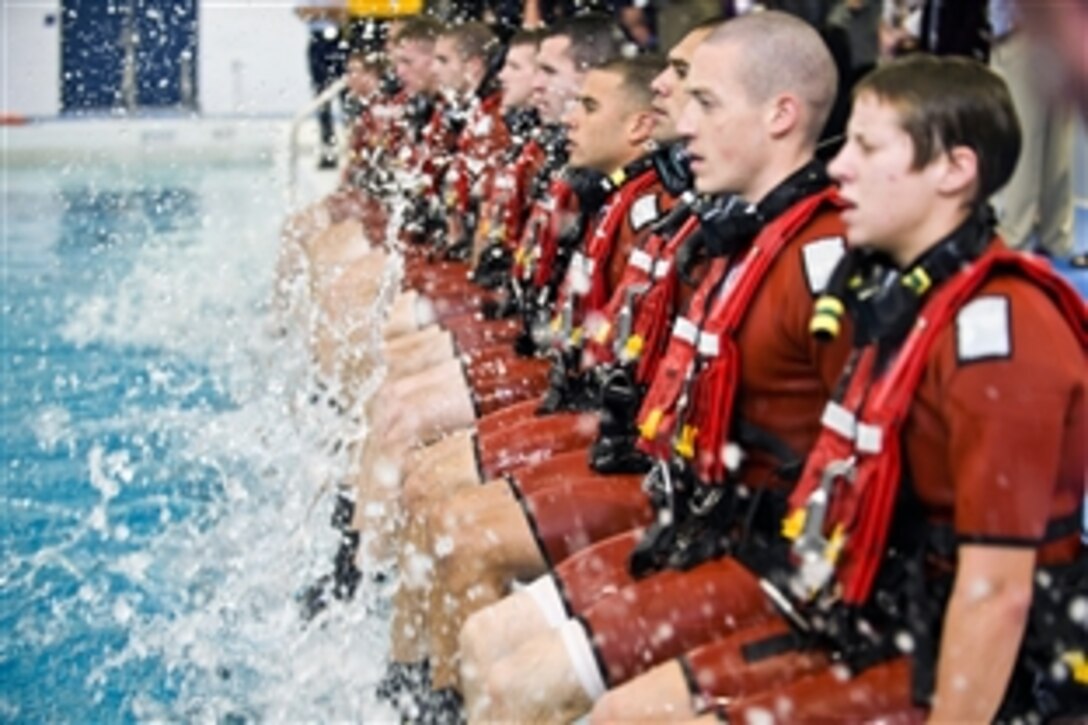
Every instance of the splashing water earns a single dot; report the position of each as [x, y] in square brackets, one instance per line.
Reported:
[166, 493]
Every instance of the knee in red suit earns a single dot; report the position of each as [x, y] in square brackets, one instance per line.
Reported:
[597, 571]
[437, 278]
[487, 360]
[551, 472]
[494, 423]
[534, 440]
[664, 615]
[471, 333]
[509, 381]
[456, 304]
[569, 517]
[882, 691]
[735, 666]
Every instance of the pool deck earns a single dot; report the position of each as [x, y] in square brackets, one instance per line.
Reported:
[170, 138]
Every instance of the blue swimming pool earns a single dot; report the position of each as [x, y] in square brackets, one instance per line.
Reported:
[161, 472]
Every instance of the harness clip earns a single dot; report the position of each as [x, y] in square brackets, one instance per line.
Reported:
[816, 552]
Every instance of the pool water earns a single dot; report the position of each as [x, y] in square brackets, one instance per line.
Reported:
[162, 484]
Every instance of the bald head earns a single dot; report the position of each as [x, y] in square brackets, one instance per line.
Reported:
[783, 54]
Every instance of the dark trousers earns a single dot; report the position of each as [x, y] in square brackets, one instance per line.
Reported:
[327, 58]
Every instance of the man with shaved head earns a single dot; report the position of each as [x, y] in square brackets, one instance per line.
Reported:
[740, 374]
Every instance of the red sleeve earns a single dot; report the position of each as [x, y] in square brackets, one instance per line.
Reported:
[1009, 396]
[814, 255]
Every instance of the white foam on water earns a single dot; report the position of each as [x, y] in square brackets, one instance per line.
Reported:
[213, 592]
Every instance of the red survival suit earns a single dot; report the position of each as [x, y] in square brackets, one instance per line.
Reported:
[541, 266]
[377, 132]
[501, 192]
[993, 430]
[595, 274]
[459, 303]
[751, 312]
[568, 504]
[481, 137]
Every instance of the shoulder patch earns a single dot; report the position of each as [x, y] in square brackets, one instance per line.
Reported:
[983, 330]
[820, 257]
[643, 211]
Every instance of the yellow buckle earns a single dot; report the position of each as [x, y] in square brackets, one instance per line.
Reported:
[1078, 663]
[633, 347]
[648, 428]
[835, 544]
[794, 524]
[685, 445]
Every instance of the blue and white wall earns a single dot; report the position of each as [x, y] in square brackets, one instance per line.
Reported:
[252, 57]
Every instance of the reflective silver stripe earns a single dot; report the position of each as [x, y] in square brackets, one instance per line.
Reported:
[640, 260]
[870, 438]
[686, 330]
[839, 419]
[662, 268]
[708, 344]
[582, 263]
[580, 274]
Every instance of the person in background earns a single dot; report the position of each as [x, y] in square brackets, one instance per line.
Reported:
[900, 28]
[1036, 207]
[327, 53]
[676, 17]
[955, 27]
[636, 17]
[504, 13]
[860, 20]
[1063, 26]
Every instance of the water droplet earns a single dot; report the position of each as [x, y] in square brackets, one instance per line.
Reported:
[1078, 610]
[443, 546]
[758, 716]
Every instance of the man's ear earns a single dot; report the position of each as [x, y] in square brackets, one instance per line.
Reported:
[959, 173]
[640, 127]
[784, 113]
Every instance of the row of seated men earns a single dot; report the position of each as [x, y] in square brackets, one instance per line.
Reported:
[681, 423]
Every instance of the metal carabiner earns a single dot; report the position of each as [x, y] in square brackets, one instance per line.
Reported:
[811, 546]
[626, 317]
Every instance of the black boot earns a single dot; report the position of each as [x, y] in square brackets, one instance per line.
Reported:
[442, 707]
[344, 579]
[345, 575]
[405, 685]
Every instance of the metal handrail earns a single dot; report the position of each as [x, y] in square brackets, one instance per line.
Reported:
[325, 96]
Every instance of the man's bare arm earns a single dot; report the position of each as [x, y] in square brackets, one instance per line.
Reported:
[983, 626]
